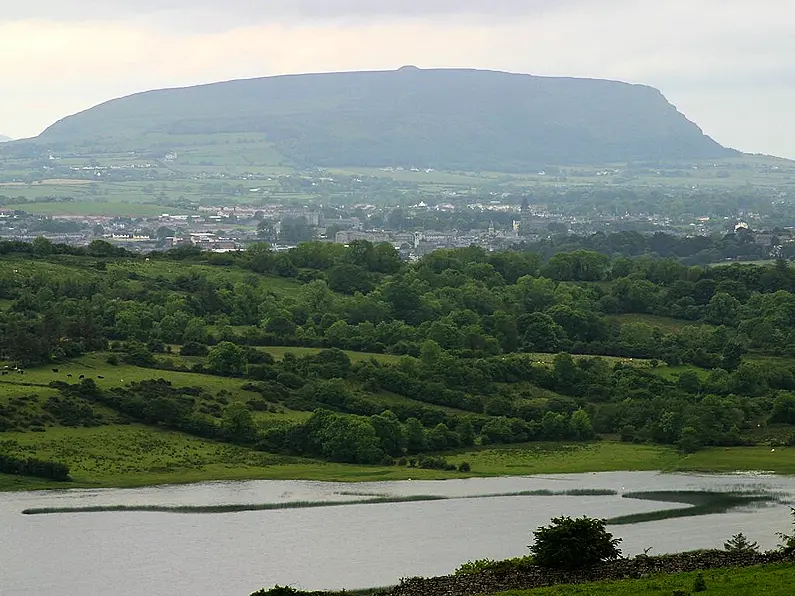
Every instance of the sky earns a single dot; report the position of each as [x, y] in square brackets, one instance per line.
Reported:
[726, 64]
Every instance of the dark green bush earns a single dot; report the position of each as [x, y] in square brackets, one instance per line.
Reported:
[572, 543]
[279, 591]
[481, 565]
[699, 585]
[192, 348]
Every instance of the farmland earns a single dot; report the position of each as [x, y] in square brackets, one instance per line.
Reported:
[771, 580]
[429, 372]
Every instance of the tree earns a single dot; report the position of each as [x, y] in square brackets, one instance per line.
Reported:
[281, 325]
[740, 544]
[580, 425]
[783, 409]
[430, 353]
[343, 438]
[541, 333]
[440, 437]
[237, 424]
[689, 441]
[722, 309]
[42, 246]
[497, 430]
[277, 590]
[226, 359]
[349, 279]
[466, 432]
[389, 432]
[415, 436]
[573, 543]
[689, 382]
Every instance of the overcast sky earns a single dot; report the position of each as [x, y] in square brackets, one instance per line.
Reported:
[726, 64]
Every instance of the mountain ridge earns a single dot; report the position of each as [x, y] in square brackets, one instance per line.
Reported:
[440, 118]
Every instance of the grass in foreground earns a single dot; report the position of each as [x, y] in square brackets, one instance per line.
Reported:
[769, 580]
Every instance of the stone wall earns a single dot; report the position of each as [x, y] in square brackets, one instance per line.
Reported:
[536, 577]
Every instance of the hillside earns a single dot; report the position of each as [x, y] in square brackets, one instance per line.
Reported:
[453, 355]
[444, 119]
[5, 139]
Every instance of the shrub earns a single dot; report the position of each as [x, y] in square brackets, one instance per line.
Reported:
[192, 348]
[740, 544]
[481, 565]
[572, 543]
[464, 467]
[788, 540]
[434, 462]
[699, 585]
[476, 566]
[279, 591]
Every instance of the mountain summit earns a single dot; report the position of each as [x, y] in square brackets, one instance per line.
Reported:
[444, 119]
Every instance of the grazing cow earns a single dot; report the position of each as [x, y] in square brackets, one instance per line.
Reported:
[5, 372]
[81, 377]
[22, 372]
[69, 375]
[55, 370]
[100, 377]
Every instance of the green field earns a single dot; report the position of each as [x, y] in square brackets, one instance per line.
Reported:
[665, 324]
[117, 209]
[767, 580]
[136, 455]
[278, 352]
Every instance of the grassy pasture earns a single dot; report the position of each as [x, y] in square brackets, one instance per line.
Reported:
[107, 208]
[278, 353]
[772, 580]
[665, 324]
[560, 458]
[548, 358]
[780, 460]
[135, 455]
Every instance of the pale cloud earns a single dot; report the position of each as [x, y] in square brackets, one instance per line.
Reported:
[725, 64]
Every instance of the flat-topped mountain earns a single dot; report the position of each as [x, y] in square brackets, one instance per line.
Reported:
[445, 119]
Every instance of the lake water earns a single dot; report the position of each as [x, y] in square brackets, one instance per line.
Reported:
[351, 546]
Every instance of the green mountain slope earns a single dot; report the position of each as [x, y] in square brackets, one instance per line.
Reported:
[445, 119]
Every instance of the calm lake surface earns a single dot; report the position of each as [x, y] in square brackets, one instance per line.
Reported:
[351, 546]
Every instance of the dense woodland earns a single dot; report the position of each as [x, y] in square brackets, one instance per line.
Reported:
[682, 355]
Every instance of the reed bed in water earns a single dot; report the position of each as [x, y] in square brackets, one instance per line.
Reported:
[701, 503]
[375, 499]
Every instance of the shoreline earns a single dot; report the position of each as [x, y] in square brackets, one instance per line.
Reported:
[487, 462]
